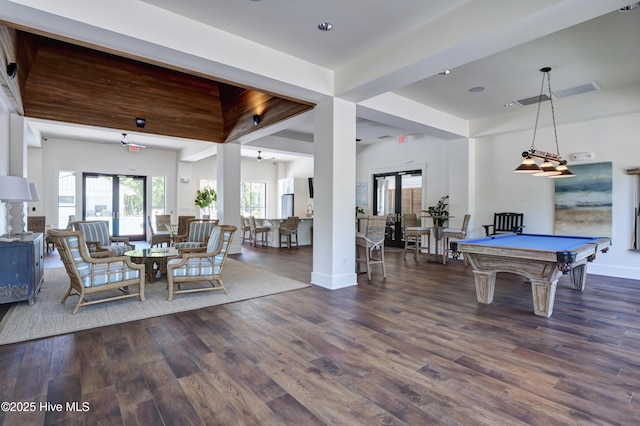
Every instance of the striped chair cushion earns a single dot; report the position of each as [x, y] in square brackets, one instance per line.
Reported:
[198, 231]
[214, 240]
[118, 250]
[193, 268]
[102, 274]
[96, 231]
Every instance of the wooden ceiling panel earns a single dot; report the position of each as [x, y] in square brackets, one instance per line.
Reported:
[75, 84]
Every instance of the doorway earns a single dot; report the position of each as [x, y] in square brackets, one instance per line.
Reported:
[395, 193]
[120, 200]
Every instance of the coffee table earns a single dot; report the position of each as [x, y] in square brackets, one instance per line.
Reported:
[154, 259]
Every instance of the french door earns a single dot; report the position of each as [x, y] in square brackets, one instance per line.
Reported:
[395, 193]
[118, 199]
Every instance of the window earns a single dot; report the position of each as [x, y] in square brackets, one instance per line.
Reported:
[158, 196]
[253, 199]
[212, 210]
[66, 197]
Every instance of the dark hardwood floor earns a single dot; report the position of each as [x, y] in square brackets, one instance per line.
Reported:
[413, 349]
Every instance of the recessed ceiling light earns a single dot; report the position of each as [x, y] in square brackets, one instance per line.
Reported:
[325, 26]
[508, 105]
[476, 89]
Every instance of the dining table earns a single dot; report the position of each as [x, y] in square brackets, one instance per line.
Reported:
[437, 235]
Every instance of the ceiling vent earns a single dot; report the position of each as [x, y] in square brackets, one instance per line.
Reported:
[563, 93]
[532, 100]
[577, 90]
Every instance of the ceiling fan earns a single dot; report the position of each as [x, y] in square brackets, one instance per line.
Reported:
[132, 146]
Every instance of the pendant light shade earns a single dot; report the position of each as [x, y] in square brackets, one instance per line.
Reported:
[528, 165]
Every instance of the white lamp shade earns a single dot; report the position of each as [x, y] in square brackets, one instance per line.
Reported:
[33, 189]
[14, 188]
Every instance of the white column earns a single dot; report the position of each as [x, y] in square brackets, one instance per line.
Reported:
[334, 194]
[228, 191]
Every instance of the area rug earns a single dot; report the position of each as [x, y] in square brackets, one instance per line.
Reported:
[48, 317]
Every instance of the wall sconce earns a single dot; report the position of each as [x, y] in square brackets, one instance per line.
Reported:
[548, 167]
[140, 122]
[12, 70]
[256, 119]
[259, 157]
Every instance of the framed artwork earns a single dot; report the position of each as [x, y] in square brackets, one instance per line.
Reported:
[583, 204]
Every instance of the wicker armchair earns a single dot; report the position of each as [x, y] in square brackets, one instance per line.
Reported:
[97, 236]
[201, 264]
[89, 275]
[199, 231]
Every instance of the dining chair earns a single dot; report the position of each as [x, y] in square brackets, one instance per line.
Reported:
[372, 240]
[159, 236]
[413, 233]
[38, 224]
[162, 220]
[456, 234]
[183, 224]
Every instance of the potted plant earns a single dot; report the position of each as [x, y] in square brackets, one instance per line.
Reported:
[205, 197]
[439, 212]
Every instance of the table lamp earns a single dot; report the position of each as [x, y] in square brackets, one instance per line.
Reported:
[13, 189]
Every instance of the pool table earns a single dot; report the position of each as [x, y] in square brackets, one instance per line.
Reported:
[540, 258]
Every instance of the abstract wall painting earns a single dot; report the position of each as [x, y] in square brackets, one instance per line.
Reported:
[583, 205]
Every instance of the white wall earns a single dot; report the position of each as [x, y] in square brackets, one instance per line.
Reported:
[418, 152]
[81, 156]
[497, 188]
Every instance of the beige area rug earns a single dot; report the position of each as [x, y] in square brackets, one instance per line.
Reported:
[48, 317]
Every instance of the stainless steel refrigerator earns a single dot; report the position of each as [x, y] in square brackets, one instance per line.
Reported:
[287, 206]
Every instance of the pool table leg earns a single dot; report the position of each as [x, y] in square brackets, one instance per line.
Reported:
[485, 286]
[544, 296]
[579, 276]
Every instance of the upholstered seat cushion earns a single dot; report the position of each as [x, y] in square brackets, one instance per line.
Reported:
[100, 274]
[417, 229]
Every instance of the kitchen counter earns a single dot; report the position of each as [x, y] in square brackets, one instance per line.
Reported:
[305, 230]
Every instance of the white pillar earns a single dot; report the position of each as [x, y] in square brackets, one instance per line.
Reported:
[334, 194]
[228, 191]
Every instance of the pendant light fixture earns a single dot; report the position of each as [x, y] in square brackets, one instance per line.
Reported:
[553, 165]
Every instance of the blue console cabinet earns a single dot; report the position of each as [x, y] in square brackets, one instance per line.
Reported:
[21, 268]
